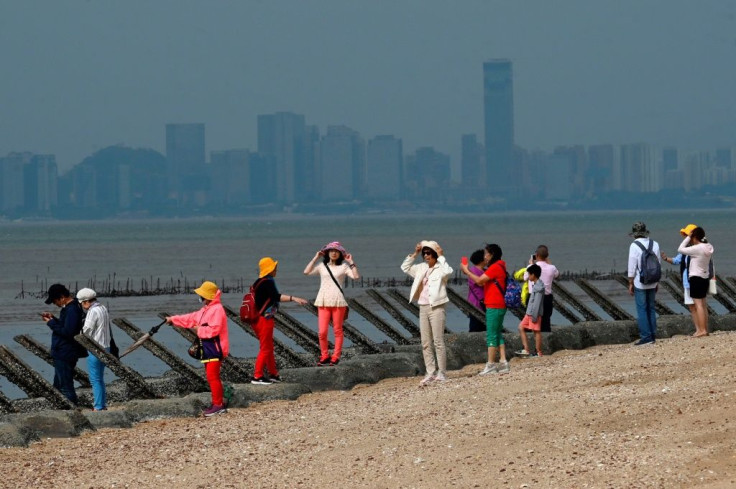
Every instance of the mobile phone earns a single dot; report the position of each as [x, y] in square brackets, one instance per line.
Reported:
[464, 260]
[533, 257]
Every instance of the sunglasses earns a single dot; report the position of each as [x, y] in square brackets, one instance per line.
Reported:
[427, 252]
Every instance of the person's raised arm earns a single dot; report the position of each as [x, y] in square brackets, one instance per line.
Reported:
[310, 265]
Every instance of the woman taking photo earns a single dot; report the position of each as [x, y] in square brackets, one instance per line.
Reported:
[336, 264]
[697, 247]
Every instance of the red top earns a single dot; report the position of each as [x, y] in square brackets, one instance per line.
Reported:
[493, 298]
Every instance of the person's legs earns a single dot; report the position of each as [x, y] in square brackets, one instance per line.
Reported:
[437, 320]
[652, 313]
[64, 379]
[97, 379]
[265, 359]
[548, 304]
[700, 317]
[323, 322]
[642, 315]
[425, 332]
[212, 369]
[538, 342]
[338, 318]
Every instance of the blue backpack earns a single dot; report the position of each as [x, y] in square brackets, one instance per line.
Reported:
[512, 295]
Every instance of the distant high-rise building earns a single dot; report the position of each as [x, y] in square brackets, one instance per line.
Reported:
[472, 170]
[282, 136]
[427, 174]
[498, 105]
[670, 159]
[602, 159]
[577, 167]
[230, 182]
[12, 181]
[725, 158]
[384, 168]
[640, 169]
[41, 183]
[185, 157]
[341, 162]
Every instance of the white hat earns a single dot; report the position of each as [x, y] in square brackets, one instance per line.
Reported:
[86, 294]
[432, 245]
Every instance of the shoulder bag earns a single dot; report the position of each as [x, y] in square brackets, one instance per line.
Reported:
[347, 309]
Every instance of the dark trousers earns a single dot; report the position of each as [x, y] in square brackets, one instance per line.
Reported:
[547, 316]
[64, 378]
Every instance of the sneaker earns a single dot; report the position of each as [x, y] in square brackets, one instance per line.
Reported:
[334, 362]
[261, 381]
[275, 379]
[644, 342]
[522, 353]
[504, 368]
[426, 380]
[491, 368]
[214, 410]
[323, 362]
[440, 377]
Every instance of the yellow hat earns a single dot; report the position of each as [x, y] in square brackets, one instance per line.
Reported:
[266, 265]
[207, 290]
[687, 229]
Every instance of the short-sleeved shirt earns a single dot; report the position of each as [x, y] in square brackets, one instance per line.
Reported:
[266, 290]
[493, 297]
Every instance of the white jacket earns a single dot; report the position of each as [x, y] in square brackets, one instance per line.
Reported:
[437, 279]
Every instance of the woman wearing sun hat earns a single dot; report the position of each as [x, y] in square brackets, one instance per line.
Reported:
[336, 265]
[210, 325]
[700, 251]
[268, 299]
[684, 262]
[429, 290]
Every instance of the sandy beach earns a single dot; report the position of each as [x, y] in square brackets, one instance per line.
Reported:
[610, 416]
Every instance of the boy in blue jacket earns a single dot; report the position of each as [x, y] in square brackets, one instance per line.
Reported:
[534, 310]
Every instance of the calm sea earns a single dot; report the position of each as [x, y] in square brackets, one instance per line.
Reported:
[79, 254]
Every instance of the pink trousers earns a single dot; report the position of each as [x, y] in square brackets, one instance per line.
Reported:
[325, 315]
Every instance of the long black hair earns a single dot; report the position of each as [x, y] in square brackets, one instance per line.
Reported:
[495, 251]
[326, 258]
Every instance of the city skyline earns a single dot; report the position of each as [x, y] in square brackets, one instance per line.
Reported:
[89, 75]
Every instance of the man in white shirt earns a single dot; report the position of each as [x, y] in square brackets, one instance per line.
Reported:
[644, 294]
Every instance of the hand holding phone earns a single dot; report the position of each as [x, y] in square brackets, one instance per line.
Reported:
[464, 260]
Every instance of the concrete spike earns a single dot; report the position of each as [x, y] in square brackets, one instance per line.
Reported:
[403, 301]
[562, 309]
[675, 292]
[6, 405]
[136, 383]
[298, 332]
[565, 295]
[387, 329]
[659, 306]
[726, 286]
[407, 323]
[466, 307]
[30, 381]
[195, 377]
[288, 356]
[365, 344]
[44, 354]
[616, 312]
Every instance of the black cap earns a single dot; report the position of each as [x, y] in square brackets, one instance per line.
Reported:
[57, 291]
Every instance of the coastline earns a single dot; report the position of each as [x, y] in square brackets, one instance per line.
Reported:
[608, 416]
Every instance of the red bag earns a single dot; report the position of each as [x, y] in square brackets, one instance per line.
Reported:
[248, 311]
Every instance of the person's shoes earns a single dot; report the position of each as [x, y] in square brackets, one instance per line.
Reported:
[644, 342]
[334, 362]
[522, 353]
[323, 362]
[261, 381]
[214, 410]
[504, 368]
[440, 377]
[426, 380]
[275, 379]
[491, 368]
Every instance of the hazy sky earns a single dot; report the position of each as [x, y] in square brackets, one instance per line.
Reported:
[81, 75]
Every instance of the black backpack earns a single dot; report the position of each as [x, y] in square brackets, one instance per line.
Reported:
[650, 270]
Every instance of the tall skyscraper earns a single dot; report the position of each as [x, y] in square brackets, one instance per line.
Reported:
[384, 168]
[498, 108]
[41, 176]
[341, 163]
[11, 181]
[282, 136]
[230, 171]
[185, 158]
[473, 173]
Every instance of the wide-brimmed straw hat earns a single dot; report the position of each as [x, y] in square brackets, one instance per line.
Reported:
[266, 265]
[335, 245]
[207, 290]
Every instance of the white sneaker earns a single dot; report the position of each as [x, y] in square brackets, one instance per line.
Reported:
[426, 380]
[491, 368]
[440, 377]
[521, 353]
[504, 368]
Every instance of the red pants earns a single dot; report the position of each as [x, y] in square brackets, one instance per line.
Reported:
[212, 369]
[264, 330]
[324, 316]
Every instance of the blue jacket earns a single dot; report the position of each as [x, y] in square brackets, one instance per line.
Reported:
[64, 329]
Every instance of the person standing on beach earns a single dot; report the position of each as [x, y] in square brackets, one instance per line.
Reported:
[337, 264]
[644, 294]
[97, 327]
[65, 350]
[210, 325]
[475, 291]
[700, 251]
[532, 320]
[429, 290]
[684, 262]
[267, 298]
[549, 274]
[493, 281]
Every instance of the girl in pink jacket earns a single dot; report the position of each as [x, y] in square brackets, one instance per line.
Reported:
[210, 325]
